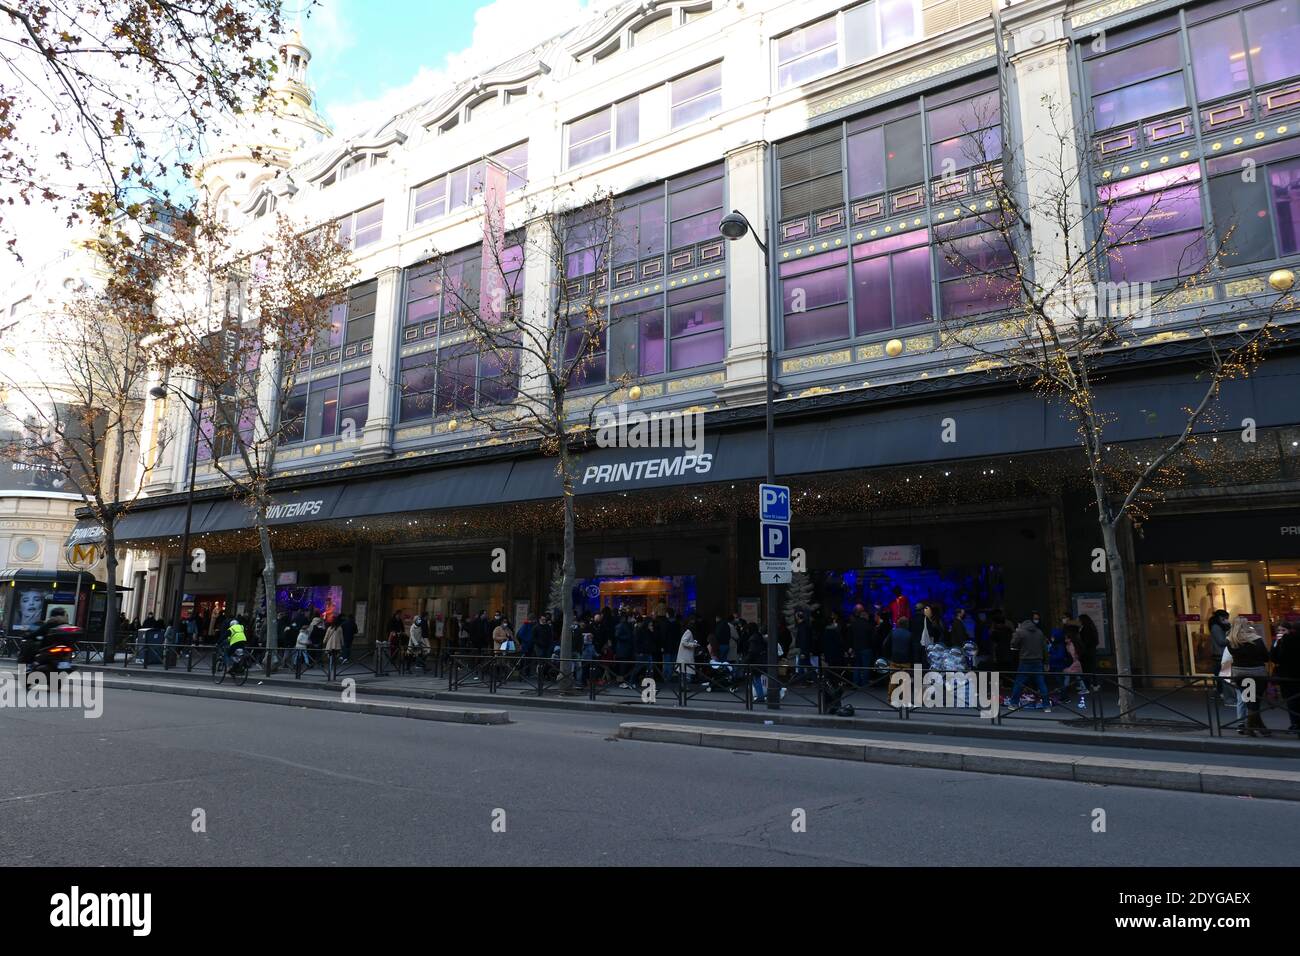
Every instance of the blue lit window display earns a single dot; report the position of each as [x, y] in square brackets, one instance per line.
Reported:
[640, 594]
[950, 588]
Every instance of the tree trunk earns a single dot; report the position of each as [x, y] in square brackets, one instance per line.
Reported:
[110, 594]
[570, 573]
[1119, 616]
[271, 633]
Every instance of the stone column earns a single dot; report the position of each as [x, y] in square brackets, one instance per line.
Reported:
[377, 439]
[747, 283]
[1045, 118]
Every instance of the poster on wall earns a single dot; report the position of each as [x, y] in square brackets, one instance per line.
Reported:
[749, 609]
[522, 609]
[1093, 604]
[1203, 593]
[359, 615]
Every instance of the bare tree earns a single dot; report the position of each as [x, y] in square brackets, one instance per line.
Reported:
[80, 400]
[115, 96]
[1054, 312]
[528, 355]
[238, 327]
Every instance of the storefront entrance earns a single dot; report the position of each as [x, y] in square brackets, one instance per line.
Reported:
[441, 603]
[1247, 563]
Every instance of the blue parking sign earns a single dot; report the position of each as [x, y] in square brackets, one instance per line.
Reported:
[774, 503]
[775, 544]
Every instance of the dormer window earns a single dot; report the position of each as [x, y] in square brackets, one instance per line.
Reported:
[483, 106]
[652, 29]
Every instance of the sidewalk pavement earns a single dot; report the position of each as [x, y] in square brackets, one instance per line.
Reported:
[798, 710]
[1162, 775]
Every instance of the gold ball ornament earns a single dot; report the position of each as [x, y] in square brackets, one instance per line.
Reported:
[453, 425]
[1282, 280]
[894, 348]
[634, 393]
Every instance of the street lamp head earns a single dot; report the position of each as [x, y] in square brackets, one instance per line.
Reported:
[733, 225]
[158, 391]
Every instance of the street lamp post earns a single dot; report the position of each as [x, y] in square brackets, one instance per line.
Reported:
[160, 391]
[735, 226]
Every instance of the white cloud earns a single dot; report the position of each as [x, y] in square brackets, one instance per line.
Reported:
[502, 29]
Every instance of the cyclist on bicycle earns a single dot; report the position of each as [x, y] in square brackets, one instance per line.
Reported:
[235, 639]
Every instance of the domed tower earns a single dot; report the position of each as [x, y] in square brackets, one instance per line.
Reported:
[262, 143]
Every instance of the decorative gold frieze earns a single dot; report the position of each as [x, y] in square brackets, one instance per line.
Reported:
[808, 363]
[1243, 287]
[868, 352]
[1106, 10]
[900, 80]
[919, 343]
[1190, 296]
[694, 382]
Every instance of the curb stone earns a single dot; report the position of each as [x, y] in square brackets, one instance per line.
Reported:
[1197, 778]
[374, 708]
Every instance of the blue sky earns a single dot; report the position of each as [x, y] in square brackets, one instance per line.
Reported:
[375, 56]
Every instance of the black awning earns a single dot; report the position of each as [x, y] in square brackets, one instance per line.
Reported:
[138, 525]
[460, 487]
[87, 531]
[287, 507]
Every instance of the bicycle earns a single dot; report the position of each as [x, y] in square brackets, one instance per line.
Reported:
[237, 669]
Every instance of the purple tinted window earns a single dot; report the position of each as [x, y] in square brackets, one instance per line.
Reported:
[904, 240]
[1137, 63]
[1218, 58]
[812, 290]
[356, 392]
[969, 149]
[697, 335]
[815, 302]
[456, 368]
[982, 254]
[1166, 257]
[867, 162]
[1155, 214]
[1285, 184]
[1274, 32]
[961, 119]
[650, 344]
[688, 202]
[417, 386]
[295, 407]
[824, 325]
[911, 286]
[871, 298]
[696, 96]
[694, 317]
[1135, 102]
[799, 266]
[904, 152]
[807, 52]
[629, 122]
[974, 295]
[322, 411]
[589, 127]
[696, 350]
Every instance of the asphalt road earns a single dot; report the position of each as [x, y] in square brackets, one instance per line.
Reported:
[280, 785]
